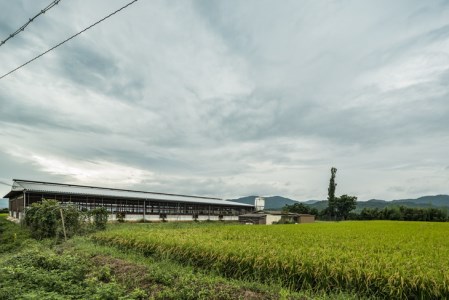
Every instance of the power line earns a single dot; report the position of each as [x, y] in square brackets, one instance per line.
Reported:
[1, 182]
[22, 28]
[73, 36]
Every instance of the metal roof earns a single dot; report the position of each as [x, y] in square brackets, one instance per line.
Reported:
[50, 187]
[263, 213]
[252, 215]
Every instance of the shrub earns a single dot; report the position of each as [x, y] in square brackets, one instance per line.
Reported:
[100, 217]
[45, 219]
[72, 220]
[11, 236]
[120, 216]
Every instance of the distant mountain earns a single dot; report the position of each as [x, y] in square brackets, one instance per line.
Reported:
[310, 201]
[319, 204]
[275, 202]
[440, 201]
[278, 202]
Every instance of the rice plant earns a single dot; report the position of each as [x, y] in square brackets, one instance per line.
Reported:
[385, 259]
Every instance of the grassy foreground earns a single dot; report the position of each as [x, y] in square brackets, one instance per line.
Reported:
[386, 259]
[82, 269]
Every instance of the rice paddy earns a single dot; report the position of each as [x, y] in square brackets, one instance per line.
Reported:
[383, 259]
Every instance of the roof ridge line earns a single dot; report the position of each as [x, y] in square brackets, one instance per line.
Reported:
[115, 189]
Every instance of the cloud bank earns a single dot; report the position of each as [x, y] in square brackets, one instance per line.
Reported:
[230, 98]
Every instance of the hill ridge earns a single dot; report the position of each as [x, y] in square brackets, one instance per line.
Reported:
[278, 202]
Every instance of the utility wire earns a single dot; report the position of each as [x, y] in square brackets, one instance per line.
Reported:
[43, 11]
[73, 36]
[1, 182]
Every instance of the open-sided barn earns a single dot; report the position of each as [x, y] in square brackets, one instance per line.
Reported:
[136, 205]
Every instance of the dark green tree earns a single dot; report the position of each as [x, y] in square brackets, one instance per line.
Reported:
[344, 205]
[314, 211]
[299, 208]
[331, 193]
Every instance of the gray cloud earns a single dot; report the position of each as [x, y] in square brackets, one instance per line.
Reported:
[231, 98]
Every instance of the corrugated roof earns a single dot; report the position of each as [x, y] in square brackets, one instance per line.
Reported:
[252, 215]
[275, 212]
[262, 213]
[50, 187]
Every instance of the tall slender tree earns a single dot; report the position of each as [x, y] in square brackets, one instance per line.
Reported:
[332, 205]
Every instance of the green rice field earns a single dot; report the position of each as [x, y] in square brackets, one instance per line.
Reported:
[384, 259]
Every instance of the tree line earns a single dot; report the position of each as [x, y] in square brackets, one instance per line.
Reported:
[396, 213]
[341, 208]
[403, 213]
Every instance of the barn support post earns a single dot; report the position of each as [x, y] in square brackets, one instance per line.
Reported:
[24, 203]
[63, 223]
[144, 208]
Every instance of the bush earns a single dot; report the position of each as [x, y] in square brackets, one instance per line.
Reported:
[11, 236]
[45, 219]
[37, 272]
[72, 220]
[120, 216]
[100, 216]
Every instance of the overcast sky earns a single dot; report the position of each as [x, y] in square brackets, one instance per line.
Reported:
[229, 98]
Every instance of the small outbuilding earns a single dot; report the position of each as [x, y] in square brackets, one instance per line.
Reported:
[266, 217]
[306, 218]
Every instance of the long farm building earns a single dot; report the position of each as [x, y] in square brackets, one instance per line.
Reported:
[134, 205]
